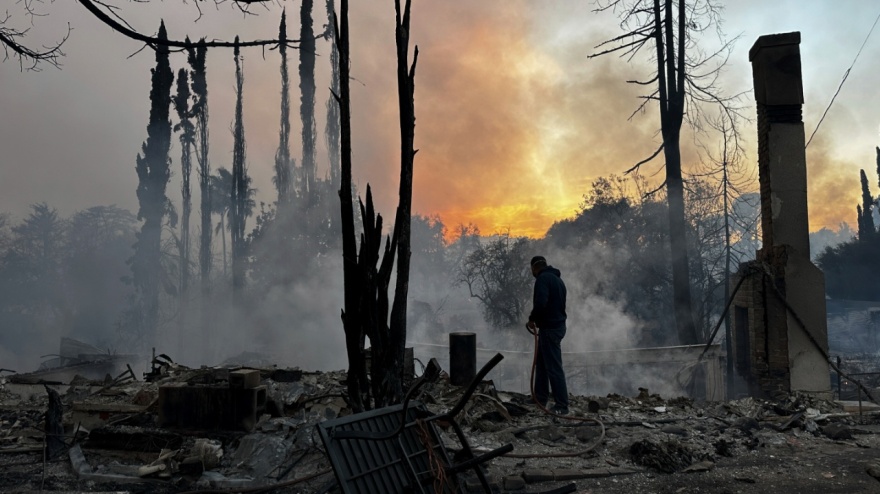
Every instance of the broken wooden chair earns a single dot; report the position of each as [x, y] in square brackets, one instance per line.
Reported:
[397, 449]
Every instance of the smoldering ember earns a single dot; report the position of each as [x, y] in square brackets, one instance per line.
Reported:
[710, 342]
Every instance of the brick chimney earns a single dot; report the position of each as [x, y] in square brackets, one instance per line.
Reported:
[771, 349]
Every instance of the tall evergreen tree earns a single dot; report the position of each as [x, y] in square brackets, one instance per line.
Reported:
[307, 101]
[196, 57]
[153, 173]
[187, 140]
[283, 164]
[239, 182]
[866, 214]
[331, 129]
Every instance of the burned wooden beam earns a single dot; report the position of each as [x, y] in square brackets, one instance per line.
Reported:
[54, 426]
[133, 439]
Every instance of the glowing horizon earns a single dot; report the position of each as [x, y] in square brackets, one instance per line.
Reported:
[513, 120]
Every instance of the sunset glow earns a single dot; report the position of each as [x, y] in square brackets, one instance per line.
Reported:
[513, 119]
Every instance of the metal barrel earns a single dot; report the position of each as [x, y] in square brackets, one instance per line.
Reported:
[462, 358]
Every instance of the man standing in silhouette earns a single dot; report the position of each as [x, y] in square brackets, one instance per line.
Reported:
[548, 318]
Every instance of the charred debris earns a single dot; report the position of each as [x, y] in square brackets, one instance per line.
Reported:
[248, 426]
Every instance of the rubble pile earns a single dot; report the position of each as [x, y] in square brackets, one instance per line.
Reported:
[113, 440]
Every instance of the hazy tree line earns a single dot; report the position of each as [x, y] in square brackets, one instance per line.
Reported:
[64, 273]
[291, 237]
[165, 253]
[851, 267]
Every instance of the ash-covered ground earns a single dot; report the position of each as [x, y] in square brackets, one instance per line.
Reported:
[650, 443]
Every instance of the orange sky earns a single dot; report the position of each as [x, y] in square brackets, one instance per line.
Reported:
[513, 120]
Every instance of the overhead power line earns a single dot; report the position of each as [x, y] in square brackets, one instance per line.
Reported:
[845, 75]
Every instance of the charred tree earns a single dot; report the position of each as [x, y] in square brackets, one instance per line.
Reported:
[682, 80]
[392, 387]
[187, 140]
[283, 166]
[307, 102]
[670, 77]
[366, 312]
[331, 129]
[358, 386]
[239, 184]
[196, 57]
[374, 304]
[153, 172]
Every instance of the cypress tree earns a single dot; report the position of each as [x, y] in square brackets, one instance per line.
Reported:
[153, 172]
[866, 218]
[331, 129]
[239, 182]
[196, 58]
[187, 138]
[282, 156]
[307, 101]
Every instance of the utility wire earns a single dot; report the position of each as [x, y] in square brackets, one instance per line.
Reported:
[839, 87]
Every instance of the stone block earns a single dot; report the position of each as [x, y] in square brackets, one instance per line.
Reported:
[210, 407]
[244, 379]
[514, 483]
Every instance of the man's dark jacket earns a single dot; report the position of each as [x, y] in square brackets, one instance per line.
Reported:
[549, 299]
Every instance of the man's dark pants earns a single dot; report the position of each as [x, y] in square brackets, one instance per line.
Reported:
[548, 370]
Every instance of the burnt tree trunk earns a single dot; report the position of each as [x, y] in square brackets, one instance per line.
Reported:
[374, 298]
[671, 86]
[351, 317]
[366, 312]
[392, 387]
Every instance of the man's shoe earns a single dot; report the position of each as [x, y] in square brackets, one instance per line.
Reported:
[558, 410]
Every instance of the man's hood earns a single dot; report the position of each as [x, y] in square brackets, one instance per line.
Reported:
[553, 271]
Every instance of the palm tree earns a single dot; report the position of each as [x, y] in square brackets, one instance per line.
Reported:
[221, 204]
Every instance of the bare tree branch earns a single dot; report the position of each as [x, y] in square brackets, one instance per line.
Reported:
[28, 58]
[152, 41]
[640, 163]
